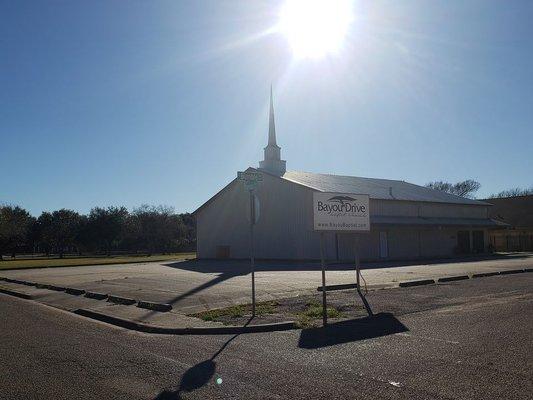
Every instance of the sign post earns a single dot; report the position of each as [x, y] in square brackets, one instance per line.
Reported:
[250, 180]
[340, 213]
[358, 276]
[323, 265]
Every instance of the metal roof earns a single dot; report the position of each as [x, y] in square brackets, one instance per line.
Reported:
[384, 189]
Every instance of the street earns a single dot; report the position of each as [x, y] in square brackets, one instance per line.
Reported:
[463, 340]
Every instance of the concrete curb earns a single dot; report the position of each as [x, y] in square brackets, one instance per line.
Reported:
[216, 330]
[75, 292]
[338, 287]
[11, 280]
[419, 282]
[50, 287]
[16, 294]
[485, 274]
[453, 278]
[121, 300]
[163, 307]
[96, 295]
[512, 271]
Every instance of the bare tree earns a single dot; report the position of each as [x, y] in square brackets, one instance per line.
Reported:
[464, 188]
[514, 192]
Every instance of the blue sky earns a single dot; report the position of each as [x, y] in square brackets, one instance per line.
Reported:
[162, 102]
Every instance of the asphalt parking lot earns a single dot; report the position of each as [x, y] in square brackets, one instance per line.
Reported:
[461, 340]
[193, 286]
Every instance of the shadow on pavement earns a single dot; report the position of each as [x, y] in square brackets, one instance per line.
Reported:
[197, 376]
[215, 281]
[228, 269]
[381, 324]
[242, 267]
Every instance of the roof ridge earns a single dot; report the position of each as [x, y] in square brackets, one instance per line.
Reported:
[347, 176]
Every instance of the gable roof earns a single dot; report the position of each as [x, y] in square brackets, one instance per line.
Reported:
[384, 189]
[376, 188]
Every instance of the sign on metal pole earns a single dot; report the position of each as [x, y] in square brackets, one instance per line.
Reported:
[250, 180]
[340, 212]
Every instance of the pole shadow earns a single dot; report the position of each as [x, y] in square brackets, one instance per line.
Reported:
[197, 376]
[381, 324]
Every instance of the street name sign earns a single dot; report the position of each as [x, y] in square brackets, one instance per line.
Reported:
[250, 178]
[346, 212]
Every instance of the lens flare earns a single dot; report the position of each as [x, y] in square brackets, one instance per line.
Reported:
[315, 28]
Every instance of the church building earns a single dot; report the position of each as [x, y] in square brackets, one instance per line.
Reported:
[407, 221]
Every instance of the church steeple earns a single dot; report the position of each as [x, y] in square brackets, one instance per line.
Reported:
[272, 161]
[271, 124]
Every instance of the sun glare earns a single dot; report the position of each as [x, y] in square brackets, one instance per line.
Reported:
[315, 28]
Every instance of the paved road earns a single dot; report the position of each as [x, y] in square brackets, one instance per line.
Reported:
[196, 286]
[463, 340]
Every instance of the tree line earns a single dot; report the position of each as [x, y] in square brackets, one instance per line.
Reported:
[469, 187]
[146, 229]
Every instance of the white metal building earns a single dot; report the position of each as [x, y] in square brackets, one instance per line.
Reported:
[407, 221]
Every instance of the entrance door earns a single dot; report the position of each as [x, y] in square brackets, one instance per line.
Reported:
[383, 245]
[478, 241]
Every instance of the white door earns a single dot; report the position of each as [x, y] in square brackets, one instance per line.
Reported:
[383, 245]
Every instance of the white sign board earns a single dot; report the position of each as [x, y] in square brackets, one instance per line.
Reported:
[250, 178]
[341, 212]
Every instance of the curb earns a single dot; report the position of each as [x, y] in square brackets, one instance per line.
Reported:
[417, 283]
[11, 280]
[512, 271]
[163, 307]
[121, 300]
[453, 278]
[96, 295]
[485, 274]
[218, 330]
[50, 287]
[16, 294]
[75, 292]
[338, 287]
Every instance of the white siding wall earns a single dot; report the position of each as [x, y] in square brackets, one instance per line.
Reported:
[285, 228]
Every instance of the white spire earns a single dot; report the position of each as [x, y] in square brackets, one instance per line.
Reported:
[272, 161]
[271, 123]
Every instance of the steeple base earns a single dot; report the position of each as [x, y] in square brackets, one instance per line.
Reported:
[277, 167]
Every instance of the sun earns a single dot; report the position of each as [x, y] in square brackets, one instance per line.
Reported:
[315, 28]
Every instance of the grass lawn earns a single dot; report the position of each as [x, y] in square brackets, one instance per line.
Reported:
[306, 311]
[80, 261]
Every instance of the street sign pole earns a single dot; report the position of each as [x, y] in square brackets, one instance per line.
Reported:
[323, 264]
[250, 180]
[252, 258]
[358, 272]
